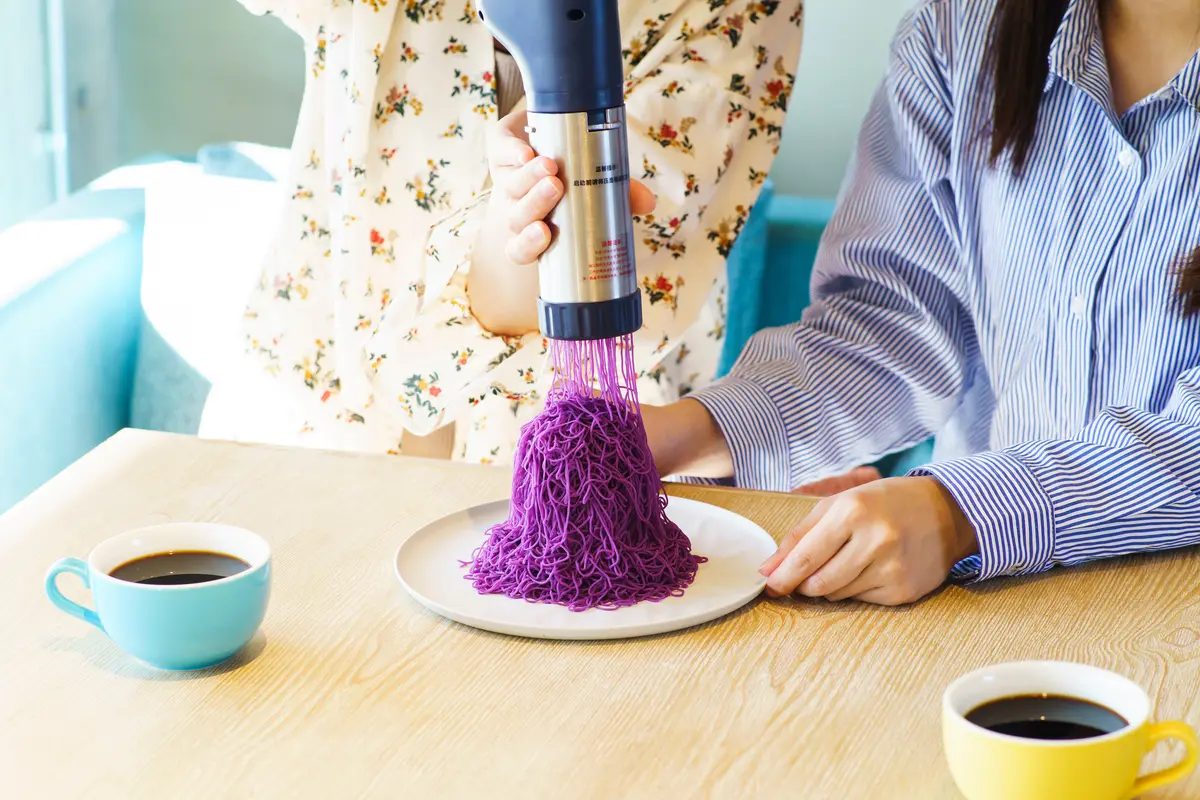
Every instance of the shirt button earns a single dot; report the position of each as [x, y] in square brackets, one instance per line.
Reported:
[1127, 157]
[1164, 93]
[1079, 306]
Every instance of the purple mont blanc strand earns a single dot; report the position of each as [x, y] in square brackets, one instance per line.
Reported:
[587, 524]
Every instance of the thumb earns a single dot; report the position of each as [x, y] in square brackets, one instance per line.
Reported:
[641, 199]
[793, 537]
[514, 124]
[506, 144]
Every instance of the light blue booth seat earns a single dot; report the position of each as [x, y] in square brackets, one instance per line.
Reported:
[70, 319]
[83, 362]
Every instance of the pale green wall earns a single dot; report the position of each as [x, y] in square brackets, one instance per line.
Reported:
[194, 72]
[198, 71]
[26, 166]
[845, 54]
[93, 89]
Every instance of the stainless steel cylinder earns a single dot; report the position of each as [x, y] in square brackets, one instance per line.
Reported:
[591, 255]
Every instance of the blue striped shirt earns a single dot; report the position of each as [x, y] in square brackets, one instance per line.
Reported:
[1030, 323]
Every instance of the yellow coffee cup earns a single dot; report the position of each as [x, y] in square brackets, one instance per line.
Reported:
[988, 765]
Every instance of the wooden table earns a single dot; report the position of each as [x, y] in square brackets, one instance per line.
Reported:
[354, 690]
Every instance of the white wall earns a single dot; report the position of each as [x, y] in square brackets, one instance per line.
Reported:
[845, 54]
[26, 165]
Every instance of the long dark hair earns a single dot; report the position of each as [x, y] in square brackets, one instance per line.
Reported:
[1018, 60]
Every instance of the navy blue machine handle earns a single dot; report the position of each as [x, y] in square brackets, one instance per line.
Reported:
[569, 51]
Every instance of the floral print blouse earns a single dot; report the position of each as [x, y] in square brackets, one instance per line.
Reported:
[360, 327]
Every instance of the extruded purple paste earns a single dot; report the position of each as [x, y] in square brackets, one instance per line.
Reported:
[587, 525]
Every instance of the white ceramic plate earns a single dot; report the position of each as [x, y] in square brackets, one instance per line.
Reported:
[428, 567]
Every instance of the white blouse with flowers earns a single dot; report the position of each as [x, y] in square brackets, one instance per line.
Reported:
[360, 327]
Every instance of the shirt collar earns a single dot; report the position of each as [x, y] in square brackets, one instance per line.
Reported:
[1187, 82]
[1077, 57]
[1078, 35]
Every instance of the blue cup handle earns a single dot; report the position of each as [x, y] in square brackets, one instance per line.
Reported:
[75, 567]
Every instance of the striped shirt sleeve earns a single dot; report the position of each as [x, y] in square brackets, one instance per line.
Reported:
[1128, 482]
[878, 360]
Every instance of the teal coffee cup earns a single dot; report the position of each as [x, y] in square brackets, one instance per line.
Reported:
[182, 596]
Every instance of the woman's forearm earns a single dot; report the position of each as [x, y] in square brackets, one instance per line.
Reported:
[686, 440]
[503, 295]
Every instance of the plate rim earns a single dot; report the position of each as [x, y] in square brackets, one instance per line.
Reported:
[632, 631]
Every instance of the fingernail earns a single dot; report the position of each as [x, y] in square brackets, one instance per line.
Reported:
[547, 189]
[763, 566]
[534, 235]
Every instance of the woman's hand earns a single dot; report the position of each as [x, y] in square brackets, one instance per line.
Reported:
[503, 284]
[889, 542]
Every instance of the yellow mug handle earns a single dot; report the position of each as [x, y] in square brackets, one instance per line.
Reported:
[1169, 730]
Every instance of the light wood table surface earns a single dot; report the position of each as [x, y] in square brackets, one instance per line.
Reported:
[354, 690]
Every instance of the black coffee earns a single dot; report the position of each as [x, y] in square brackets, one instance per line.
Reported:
[1046, 716]
[179, 568]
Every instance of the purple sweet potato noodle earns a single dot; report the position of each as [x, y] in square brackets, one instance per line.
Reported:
[587, 524]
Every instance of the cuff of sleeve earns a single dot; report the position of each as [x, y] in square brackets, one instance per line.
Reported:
[1010, 511]
[754, 431]
[448, 246]
[434, 362]
[688, 479]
